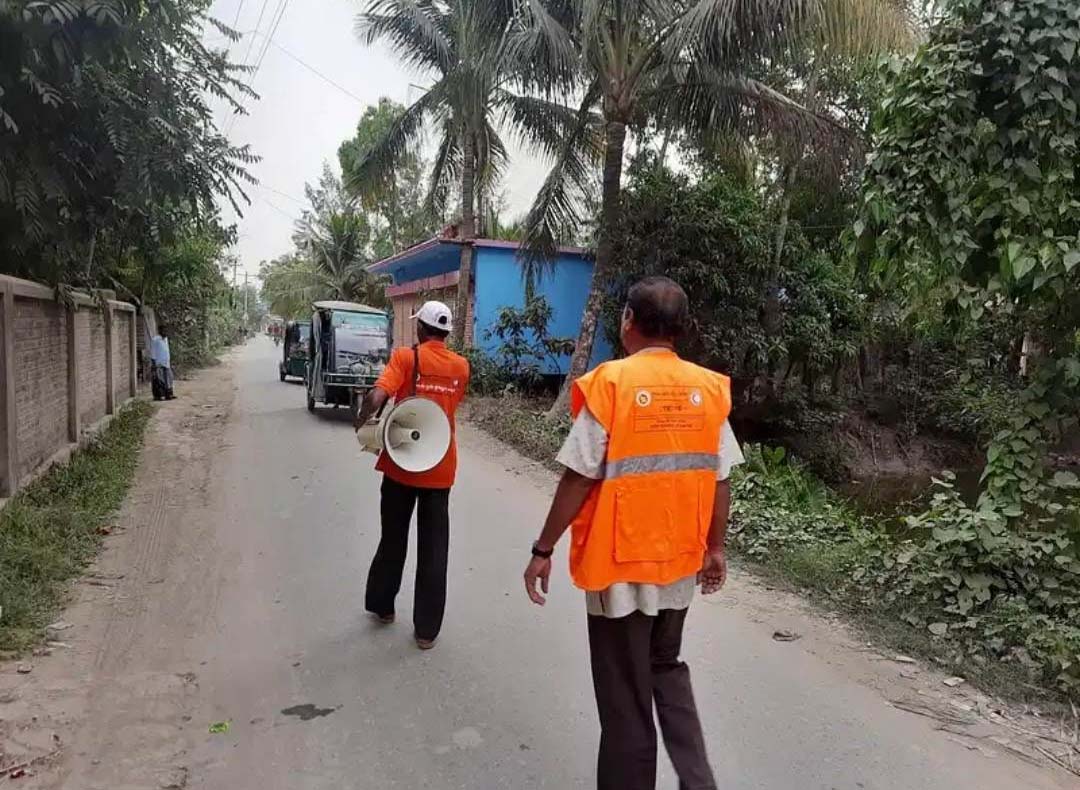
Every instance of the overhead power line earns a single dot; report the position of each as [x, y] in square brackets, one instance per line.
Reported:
[281, 211]
[269, 39]
[239, 8]
[300, 61]
[258, 24]
[320, 75]
[285, 195]
[244, 62]
[275, 22]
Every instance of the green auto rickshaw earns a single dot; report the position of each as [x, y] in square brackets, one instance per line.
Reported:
[294, 356]
[348, 349]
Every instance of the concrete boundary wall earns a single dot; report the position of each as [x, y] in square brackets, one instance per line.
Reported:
[64, 371]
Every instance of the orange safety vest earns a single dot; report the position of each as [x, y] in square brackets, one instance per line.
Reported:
[648, 521]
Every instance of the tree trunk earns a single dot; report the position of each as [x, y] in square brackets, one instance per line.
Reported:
[468, 233]
[392, 218]
[772, 318]
[609, 216]
[791, 172]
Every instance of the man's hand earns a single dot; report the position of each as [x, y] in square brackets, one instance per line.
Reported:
[371, 405]
[713, 572]
[538, 568]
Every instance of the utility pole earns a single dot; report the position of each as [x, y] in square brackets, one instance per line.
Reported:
[232, 300]
[246, 327]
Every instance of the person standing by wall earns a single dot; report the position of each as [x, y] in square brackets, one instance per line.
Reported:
[442, 376]
[161, 378]
[645, 489]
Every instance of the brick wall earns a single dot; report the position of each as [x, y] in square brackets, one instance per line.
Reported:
[41, 407]
[41, 395]
[91, 366]
[121, 356]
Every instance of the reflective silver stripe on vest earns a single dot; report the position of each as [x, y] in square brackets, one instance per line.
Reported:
[667, 462]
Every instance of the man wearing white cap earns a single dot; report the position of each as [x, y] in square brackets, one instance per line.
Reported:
[429, 370]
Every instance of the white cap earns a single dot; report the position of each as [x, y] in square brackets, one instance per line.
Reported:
[436, 315]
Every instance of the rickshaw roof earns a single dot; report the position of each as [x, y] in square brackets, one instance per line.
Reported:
[348, 307]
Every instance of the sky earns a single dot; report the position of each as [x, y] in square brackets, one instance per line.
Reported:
[301, 118]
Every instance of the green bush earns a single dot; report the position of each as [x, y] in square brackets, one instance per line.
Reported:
[991, 586]
[976, 585]
[486, 376]
[778, 506]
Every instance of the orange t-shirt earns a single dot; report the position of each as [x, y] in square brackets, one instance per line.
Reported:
[444, 376]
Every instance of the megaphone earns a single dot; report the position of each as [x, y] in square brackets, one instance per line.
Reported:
[415, 434]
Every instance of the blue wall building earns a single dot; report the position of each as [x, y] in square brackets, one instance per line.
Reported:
[430, 270]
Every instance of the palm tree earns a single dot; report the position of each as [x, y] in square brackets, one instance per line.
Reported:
[480, 83]
[330, 263]
[688, 62]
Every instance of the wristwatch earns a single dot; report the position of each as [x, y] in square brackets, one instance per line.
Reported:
[539, 552]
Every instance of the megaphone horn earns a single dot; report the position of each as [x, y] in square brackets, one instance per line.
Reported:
[415, 434]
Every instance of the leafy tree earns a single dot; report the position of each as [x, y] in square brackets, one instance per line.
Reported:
[827, 69]
[692, 64]
[396, 204]
[107, 142]
[186, 285]
[713, 236]
[479, 65]
[971, 198]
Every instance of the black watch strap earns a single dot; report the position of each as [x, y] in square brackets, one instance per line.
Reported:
[538, 552]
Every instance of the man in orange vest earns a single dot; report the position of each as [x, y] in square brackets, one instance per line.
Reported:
[646, 494]
[428, 370]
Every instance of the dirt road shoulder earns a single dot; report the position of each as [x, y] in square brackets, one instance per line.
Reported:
[134, 607]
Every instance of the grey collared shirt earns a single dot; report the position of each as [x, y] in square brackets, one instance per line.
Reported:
[585, 452]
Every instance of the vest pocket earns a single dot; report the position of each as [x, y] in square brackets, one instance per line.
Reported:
[646, 512]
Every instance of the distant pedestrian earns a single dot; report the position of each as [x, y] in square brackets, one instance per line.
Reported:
[645, 491]
[161, 377]
[427, 370]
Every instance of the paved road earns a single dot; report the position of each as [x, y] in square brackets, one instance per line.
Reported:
[319, 697]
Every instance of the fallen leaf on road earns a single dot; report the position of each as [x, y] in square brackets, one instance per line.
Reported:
[785, 636]
[24, 669]
[904, 659]
[219, 727]
[953, 682]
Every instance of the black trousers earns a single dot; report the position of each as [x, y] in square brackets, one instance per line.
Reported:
[161, 382]
[635, 662]
[433, 545]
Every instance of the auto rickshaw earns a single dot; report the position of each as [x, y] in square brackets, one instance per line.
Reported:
[348, 348]
[294, 356]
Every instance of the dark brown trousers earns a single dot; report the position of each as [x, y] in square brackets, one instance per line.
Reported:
[635, 661]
